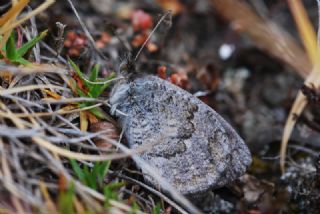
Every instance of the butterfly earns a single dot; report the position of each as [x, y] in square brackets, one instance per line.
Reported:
[191, 145]
[186, 141]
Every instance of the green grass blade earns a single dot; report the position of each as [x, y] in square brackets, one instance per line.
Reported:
[94, 73]
[104, 168]
[98, 112]
[109, 194]
[21, 61]
[100, 170]
[134, 208]
[80, 92]
[27, 46]
[90, 178]
[65, 201]
[157, 209]
[103, 87]
[77, 170]
[115, 185]
[79, 72]
[11, 50]
[94, 88]
[76, 68]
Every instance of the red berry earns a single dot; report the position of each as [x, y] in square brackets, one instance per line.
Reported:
[162, 72]
[71, 35]
[141, 20]
[105, 37]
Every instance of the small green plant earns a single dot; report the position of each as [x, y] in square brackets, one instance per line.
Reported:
[93, 85]
[134, 208]
[111, 192]
[65, 200]
[157, 209]
[16, 55]
[93, 177]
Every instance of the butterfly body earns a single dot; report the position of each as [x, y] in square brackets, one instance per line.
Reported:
[187, 142]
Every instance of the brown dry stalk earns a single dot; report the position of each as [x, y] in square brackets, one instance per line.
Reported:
[305, 29]
[35, 12]
[61, 111]
[309, 39]
[265, 34]
[8, 21]
[4, 92]
[61, 151]
[31, 69]
[271, 38]
[17, 8]
[296, 109]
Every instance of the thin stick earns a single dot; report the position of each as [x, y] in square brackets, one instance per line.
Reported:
[309, 39]
[152, 32]
[85, 29]
[30, 88]
[43, 68]
[104, 82]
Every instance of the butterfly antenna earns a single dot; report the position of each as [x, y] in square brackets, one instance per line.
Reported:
[152, 32]
[112, 28]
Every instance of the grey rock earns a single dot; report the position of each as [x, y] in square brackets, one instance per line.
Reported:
[190, 144]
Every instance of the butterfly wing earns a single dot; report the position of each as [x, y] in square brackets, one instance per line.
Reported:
[190, 145]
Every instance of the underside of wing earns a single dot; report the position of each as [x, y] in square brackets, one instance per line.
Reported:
[190, 144]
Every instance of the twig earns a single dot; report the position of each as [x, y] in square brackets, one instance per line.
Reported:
[43, 68]
[151, 33]
[54, 52]
[30, 88]
[86, 31]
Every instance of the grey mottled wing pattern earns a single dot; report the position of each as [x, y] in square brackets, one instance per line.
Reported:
[191, 145]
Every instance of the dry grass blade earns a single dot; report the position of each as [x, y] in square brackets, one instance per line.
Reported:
[35, 151]
[264, 34]
[8, 21]
[85, 29]
[62, 111]
[43, 68]
[4, 92]
[49, 202]
[17, 8]
[305, 28]
[64, 152]
[44, 129]
[310, 42]
[35, 12]
[9, 18]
